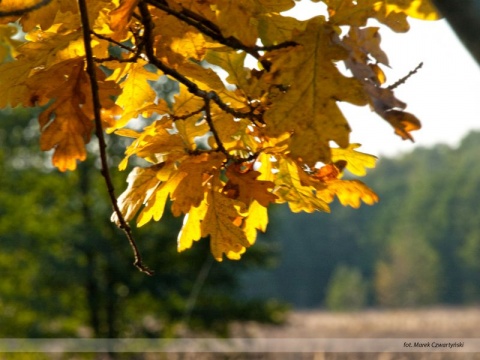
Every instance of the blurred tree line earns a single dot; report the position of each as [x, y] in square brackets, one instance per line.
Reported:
[67, 271]
[419, 245]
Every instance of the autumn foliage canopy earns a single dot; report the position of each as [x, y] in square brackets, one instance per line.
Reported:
[255, 120]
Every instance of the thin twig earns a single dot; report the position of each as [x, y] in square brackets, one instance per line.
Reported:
[186, 116]
[119, 44]
[101, 139]
[114, 58]
[137, 52]
[208, 117]
[405, 78]
[25, 10]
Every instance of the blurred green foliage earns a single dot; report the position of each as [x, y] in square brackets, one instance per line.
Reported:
[347, 290]
[67, 271]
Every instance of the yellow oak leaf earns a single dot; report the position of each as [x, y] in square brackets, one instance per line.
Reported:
[236, 135]
[155, 143]
[155, 204]
[107, 90]
[357, 162]
[274, 29]
[247, 84]
[41, 53]
[191, 128]
[233, 63]
[192, 227]
[136, 91]
[64, 125]
[240, 18]
[177, 42]
[289, 188]
[202, 8]
[54, 17]
[309, 108]
[350, 192]
[206, 79]
[257, 219]
[403, 122]
[353, 13]
[265, 166]
[142, 183]
[120, 17]
[225, 236]
[198, 170]
[186, 103]
[245, 187]
[16, 5]
[419, 9]
[59, 12]
[392, 13]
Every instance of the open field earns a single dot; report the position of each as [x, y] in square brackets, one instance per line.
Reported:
[441, 322]
[430, 322]
[455, 324]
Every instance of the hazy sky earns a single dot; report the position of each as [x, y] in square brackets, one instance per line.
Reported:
[444, 94]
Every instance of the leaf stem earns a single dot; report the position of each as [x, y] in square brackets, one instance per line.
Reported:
[91, 71]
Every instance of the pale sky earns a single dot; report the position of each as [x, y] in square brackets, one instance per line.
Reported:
[444, 94]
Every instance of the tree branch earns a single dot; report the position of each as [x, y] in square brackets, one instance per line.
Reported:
[101, 139]
[137, 51]
[186, 116]
[25, 10]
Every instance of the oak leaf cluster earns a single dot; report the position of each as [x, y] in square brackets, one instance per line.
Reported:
[256, 119]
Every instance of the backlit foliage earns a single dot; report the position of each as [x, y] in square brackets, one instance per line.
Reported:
[226, 147]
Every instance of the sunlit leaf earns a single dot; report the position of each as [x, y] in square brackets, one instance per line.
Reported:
[309, 107]
[225, 236]
[357, 162]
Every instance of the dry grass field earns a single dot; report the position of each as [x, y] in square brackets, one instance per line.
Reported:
[430, 322]
[447, 323]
